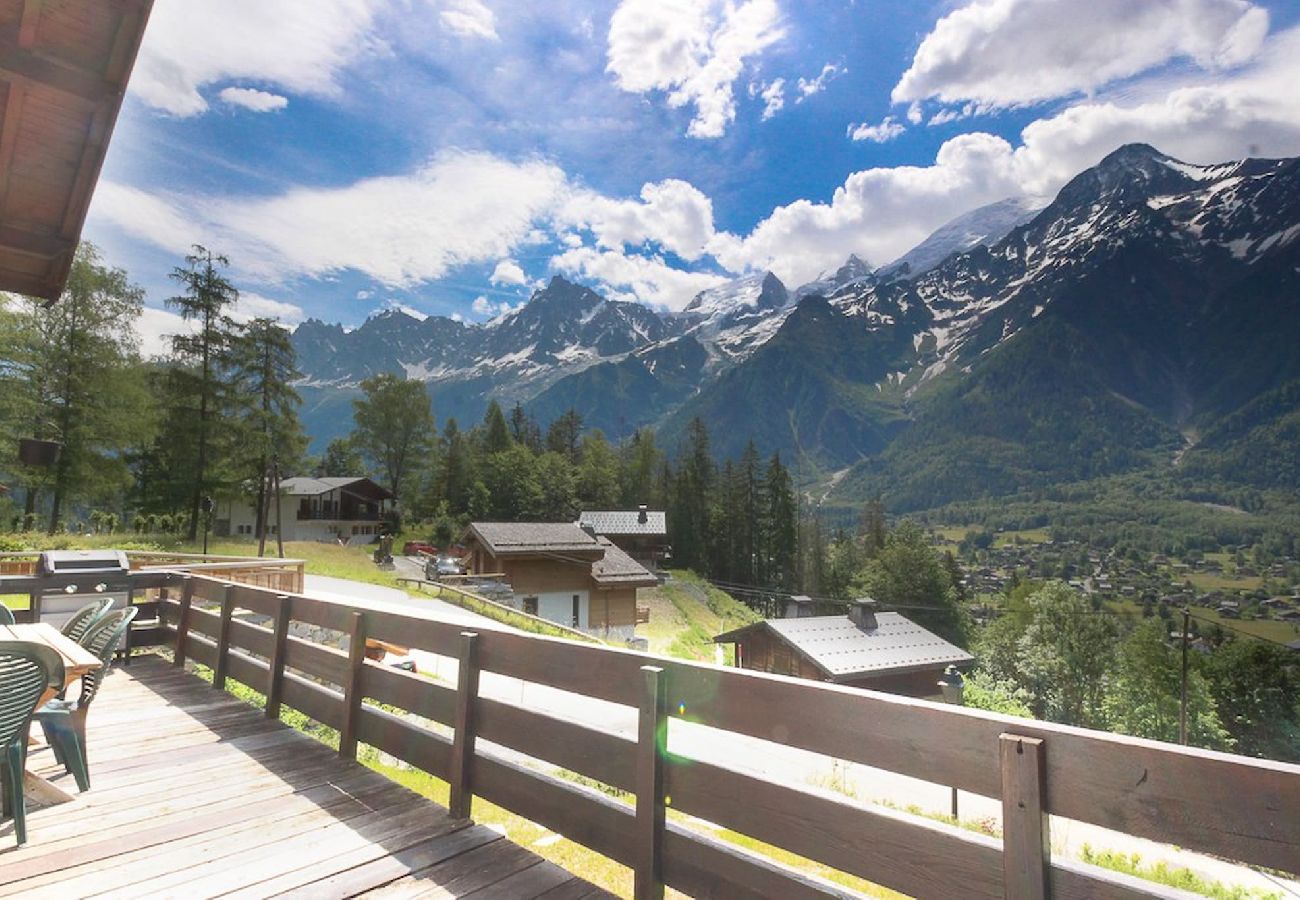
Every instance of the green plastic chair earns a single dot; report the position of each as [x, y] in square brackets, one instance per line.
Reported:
[64, 721]
[26, 670]
[85, 618]
[6, 615]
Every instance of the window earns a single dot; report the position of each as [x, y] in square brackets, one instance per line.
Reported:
[530, 605]
[577, 611]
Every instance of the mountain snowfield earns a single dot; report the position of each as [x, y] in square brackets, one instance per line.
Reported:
[1149, 300]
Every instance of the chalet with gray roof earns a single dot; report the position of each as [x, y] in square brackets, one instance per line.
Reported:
[347, 510]
[562, 572]
[641, 533]
[882, 651]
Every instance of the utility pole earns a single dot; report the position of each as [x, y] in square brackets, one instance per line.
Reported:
[1182, 703]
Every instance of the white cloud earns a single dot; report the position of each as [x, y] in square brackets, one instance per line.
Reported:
[672, 213]
[885, 211]
[300, 46]
[400, 230]
[694, 49]
[1002, 53]
[469, 18]
[914, 114]
[251, 98]
[252, 305]
[887, 130]
[648, 279]
[484, 307]
[508, 271]
[810, 86]
[773, 98]
[155, 328]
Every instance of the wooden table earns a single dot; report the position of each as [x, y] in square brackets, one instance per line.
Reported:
[77, 661]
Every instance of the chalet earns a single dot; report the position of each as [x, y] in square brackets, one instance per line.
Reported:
[882, 651]
[562, 572]
[350, 510]
[641, 533]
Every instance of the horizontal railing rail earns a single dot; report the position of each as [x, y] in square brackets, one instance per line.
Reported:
[1230, 806]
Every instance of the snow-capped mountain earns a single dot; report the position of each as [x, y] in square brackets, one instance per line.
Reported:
[1148, 302]
[736, 318]
[854, 271]
[982, 226]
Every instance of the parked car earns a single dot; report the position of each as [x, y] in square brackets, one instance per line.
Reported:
[438, 567]
[415, 548]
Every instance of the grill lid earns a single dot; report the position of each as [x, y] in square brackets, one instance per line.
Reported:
[65, 562]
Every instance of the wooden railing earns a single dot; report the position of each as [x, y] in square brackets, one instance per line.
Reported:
[1230, 806]
[269, 572]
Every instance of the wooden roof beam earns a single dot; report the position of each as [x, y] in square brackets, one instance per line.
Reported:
[17, 61]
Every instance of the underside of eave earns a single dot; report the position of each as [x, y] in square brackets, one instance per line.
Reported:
[64, 66]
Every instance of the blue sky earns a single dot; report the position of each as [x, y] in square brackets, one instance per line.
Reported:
[450, 155]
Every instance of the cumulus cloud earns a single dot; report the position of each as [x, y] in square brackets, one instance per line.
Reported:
[885, 211]
[672, 213]
[773, 98]
[484, 307]
[255, 306]
[692, 49]
[508, 271]
[300, 46]
[469, 18]
[810, 86]
[887, 130]
[400, 230]
[251, 98]
[628, 276]
[1002, 53]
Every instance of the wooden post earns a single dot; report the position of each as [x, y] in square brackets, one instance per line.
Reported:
[352, 690]
[280, 642]
[183, 622]
[223, 637]
[651, 741]
[462, 747]
[1026, 845]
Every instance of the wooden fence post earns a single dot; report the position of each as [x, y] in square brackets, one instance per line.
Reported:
[352, 690]
[280, 642]
[1026, 845]
[462, 747]
[651, 741]
[223, 637]
[183, 622]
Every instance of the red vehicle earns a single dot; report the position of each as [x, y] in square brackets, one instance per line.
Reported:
[415, 548]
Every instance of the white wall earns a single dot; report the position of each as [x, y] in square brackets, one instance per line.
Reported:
[558, 606]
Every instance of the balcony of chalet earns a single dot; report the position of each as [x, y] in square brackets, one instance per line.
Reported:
[196, 793]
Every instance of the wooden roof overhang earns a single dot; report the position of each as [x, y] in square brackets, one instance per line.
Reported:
[64, 66]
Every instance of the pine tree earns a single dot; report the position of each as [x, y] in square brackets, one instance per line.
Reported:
[496, 434]
[563, 435]
[781, 531]
[200, 376]
[524, 430]
[265, 366]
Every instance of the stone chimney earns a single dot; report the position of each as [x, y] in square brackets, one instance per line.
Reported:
[642, 514]
[862, 613]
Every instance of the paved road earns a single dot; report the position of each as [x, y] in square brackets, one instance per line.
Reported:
[772, 760]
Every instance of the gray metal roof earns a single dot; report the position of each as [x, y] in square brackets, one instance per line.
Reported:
[534, 537]
[301, 485]
[616, 567]
[624, 521]
[844, 651]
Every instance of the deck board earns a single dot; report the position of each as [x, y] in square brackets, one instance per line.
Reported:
[196, 794]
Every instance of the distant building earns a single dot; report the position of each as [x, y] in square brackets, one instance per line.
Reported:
[882, 651]
[561, 572]
[641, 533]
[312, 509]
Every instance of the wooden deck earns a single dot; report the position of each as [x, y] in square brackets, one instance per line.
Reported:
[196, 794]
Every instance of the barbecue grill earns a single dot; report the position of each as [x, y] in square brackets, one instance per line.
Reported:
[83, 576]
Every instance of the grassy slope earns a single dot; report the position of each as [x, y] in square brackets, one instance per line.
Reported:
[685, 614]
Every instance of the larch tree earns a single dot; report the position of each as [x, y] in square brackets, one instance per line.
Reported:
[200, 376]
